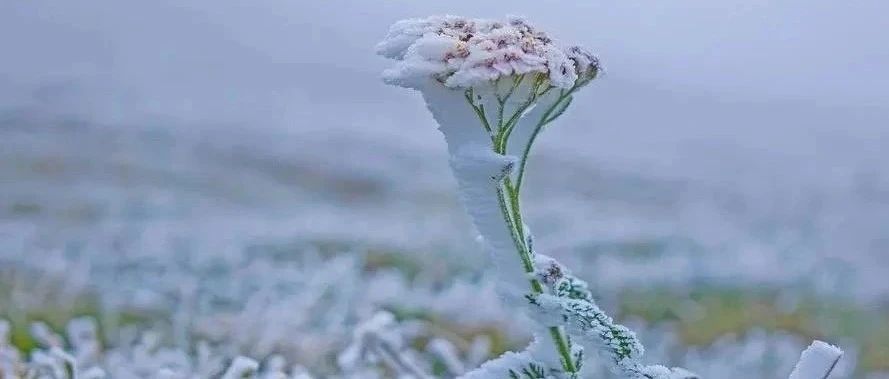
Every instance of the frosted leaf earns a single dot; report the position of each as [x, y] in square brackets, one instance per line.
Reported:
[378, 340]
[82, 329]
[446, 353]
[92, 373]
[362, 337]
[591, 327]
[508, 365]
[44, 335]
[300, 372]
[817, 361]
[558, 279]
[241, 367]
[274, 368]
[83, 336]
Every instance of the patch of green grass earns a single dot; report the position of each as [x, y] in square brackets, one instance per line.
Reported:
[56, 312]
[25, 209]
[457, 334]
[57, 319]
[703, 315]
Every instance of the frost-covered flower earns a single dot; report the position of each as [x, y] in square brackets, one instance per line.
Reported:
[493, 87]
[463, 52]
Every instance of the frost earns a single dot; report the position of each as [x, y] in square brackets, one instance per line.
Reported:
[509, 365]
[447, 354]
[817, 361]
[567, 302]
[379, 340]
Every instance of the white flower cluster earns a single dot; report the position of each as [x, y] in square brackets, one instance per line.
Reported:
[463, 52]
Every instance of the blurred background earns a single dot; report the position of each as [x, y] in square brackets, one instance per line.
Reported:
[724, 185]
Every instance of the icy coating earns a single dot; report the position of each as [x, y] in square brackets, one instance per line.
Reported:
[463, 52]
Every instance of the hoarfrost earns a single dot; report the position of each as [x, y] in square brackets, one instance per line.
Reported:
[817, 361]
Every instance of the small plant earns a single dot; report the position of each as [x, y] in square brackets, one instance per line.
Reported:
[493, 87]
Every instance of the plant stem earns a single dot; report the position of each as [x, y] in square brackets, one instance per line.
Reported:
[546, 118]
[524, 255]
[564, 348]
[510, 208]
[555, 332]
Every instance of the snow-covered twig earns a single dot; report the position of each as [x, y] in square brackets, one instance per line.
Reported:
[378, 339]
[241, 367]
[817, 361]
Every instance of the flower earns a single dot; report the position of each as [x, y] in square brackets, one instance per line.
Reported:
[463, 52]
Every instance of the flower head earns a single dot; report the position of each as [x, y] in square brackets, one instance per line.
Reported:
[462, 52]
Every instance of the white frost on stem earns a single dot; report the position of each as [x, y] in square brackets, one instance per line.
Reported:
[480, 174]
[379, 340]
[817, 361]
[446, 353]
[509, 365]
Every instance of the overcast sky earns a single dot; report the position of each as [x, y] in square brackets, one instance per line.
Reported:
[826, 50]
[677, 71]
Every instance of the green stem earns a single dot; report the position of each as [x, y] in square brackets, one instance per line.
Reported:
[546, 118]
[479, 111]
[507, 129]
[564, 348]
[524, 255]
[510, 209]
[515, 220]
[516, 211]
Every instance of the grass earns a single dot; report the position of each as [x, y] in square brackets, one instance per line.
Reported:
[56, 313]
[703, 315]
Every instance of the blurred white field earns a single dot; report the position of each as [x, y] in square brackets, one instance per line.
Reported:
[708, 210]
[146, 216]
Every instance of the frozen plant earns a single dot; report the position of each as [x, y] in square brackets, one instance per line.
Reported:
[493, 87]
